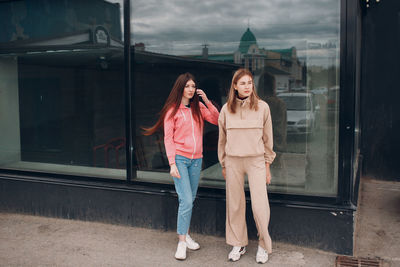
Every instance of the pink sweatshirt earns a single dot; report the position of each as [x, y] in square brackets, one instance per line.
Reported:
[183, 135]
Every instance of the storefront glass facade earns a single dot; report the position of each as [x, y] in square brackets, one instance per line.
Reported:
[63, 107]
[297, 43]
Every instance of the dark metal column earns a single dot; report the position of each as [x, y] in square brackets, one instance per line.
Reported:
[128, 92]
[347, 109]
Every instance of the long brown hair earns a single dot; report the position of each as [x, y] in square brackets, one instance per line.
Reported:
[174, 101]
[231, 103]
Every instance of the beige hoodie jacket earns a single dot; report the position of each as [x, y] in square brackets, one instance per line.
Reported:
[246, 133]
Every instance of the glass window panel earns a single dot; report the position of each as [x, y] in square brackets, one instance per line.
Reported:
[62, 87]
[294, 42]
[69, 22]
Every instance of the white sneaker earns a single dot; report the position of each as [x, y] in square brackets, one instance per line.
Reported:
[180, 253]
[191, 244]
[262, 255]
[236, 252]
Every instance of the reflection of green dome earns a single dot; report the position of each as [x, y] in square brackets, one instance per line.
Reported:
[246, 41]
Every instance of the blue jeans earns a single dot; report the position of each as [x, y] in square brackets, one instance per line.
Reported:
[186, 188]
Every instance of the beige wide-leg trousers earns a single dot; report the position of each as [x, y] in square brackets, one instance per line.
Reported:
[236, 228]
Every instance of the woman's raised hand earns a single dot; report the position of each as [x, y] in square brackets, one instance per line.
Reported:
[202, 95]
[174, 171]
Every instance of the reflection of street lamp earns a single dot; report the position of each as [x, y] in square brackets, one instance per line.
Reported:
[205, 51]
[101, 36]
[103, 62]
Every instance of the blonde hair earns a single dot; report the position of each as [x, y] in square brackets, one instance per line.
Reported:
[231, 103]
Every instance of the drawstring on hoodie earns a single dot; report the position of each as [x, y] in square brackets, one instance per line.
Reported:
[194, 139]
[183, 114]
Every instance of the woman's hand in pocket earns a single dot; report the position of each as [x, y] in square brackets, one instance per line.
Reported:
[268, 172]
[224, 173]
[174, 171]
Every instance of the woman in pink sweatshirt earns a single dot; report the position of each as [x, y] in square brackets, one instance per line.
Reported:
[182, 118]
[245, 147]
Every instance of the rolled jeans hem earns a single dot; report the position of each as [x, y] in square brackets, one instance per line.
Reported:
[181, 233]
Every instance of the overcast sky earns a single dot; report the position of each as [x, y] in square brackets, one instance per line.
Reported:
[180, 27]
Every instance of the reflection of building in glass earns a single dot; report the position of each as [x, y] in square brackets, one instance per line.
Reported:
[282, 78]
[61, 23]
[248, 53]
[282, 63]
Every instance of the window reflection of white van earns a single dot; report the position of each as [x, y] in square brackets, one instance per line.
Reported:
[302, 113]
[281, 90]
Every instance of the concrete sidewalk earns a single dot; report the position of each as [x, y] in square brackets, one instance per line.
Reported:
[377, 227]
[40, 241]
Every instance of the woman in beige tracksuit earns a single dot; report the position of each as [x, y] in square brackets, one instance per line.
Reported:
[245, 147]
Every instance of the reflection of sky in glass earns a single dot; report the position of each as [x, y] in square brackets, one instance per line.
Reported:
[180, 27]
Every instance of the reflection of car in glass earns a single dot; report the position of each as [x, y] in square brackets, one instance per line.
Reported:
[281, 90]
[333, 98]
[299, 89]
[320, 91]
[302, 113]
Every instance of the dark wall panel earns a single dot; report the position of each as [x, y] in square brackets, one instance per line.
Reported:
[380, 90]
